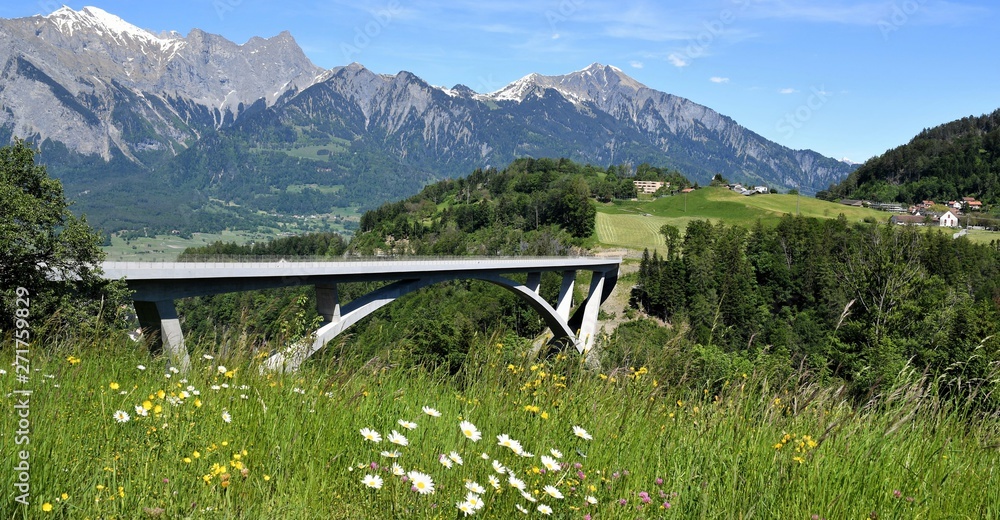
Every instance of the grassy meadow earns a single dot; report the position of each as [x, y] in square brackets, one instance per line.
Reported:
[116, 434]
[636, 224]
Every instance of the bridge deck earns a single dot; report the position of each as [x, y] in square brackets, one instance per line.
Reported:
[360, 269]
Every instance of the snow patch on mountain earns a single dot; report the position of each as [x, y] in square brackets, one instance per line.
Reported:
[102, 22]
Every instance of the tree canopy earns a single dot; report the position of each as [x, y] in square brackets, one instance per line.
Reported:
[44, 248]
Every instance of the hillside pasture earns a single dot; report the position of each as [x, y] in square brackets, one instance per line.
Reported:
[636, 224]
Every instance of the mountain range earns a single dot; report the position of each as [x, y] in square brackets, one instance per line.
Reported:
[171, 121]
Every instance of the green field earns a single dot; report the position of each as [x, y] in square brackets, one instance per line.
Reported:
[979, 236]
[312, 150]
[636, 224]
[167, 247]
[115, 434]
[326, 190]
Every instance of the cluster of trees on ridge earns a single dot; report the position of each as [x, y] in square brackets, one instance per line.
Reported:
[948, 162]
[533, 206]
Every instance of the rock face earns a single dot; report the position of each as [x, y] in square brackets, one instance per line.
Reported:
[94, 85]
[100, 85]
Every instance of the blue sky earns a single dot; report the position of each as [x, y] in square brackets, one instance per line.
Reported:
[847, 78]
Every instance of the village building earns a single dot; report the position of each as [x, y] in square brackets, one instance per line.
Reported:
[649, 187]
[907, 220]
[947, 219]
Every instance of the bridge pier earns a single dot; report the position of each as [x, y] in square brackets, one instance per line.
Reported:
[565, 302]
[328, 303]
[159, 322]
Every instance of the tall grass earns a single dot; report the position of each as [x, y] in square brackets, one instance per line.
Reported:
[750, 447]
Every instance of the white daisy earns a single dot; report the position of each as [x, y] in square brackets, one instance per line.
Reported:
[432, 412]
[544, 509]
[475, 487]
[397, 438]
[475, 500]
[422, 482]
[122, 416]
[504, 440]
[407, 424]
[550, 463]
[371, 435]
[470, 431]
[456, 458]
[372, 481]
[226, 417]
[465, 507]
[552, 492]
[581, 433]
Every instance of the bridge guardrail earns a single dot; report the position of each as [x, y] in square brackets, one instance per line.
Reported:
[222, 261]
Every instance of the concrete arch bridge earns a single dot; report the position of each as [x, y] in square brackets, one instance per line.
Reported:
[156, 285]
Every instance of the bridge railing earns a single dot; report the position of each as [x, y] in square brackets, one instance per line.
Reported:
[230, 259]
[222, 261]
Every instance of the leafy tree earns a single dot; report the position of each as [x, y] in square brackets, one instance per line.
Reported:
[46, 250]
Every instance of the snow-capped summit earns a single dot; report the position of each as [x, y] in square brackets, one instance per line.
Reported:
[69, 74]
[596, 83]
[106, 24]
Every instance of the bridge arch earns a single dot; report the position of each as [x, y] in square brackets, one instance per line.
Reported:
[361, 307]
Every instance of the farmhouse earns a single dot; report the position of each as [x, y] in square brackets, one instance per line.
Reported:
[907, 220]
[948, 219]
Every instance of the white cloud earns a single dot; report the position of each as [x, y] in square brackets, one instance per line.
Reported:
[677, 60]
[787, 91]
[717, 79]
[636, 64]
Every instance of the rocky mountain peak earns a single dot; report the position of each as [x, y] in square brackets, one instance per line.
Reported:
[595, 83]
[93, 21]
